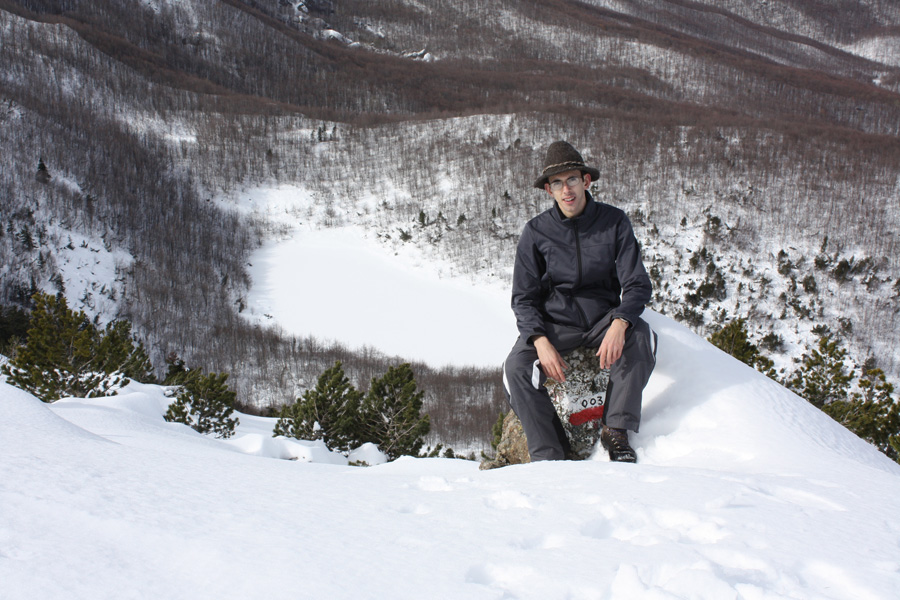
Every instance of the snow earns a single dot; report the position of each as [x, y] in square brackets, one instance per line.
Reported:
[282, 205]
[90, 272]
[331, 34]
[338, 284]
[742, 490]
[880, 48]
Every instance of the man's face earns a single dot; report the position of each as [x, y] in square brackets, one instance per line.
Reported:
[568, 191]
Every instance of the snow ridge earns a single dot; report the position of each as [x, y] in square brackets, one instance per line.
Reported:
[742, 490]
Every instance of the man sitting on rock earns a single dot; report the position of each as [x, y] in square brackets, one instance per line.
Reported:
[578, 281]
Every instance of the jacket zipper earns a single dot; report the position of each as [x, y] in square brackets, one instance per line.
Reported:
[584, 322]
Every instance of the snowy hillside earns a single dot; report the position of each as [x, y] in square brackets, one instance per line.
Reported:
[756, 147]
[742, 490]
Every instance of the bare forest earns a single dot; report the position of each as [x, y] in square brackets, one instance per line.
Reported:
[755, 146]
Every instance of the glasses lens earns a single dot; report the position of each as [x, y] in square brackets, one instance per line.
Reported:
[557, 184]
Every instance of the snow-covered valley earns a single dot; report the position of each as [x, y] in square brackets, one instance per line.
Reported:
[336, 284]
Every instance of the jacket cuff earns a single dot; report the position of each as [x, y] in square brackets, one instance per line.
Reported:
[529, 338]
[628, 319]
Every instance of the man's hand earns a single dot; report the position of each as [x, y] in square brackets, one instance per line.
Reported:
[551, 362]
[613, 342]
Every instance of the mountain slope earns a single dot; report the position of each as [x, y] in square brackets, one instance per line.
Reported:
[762, 137]
[743, 490]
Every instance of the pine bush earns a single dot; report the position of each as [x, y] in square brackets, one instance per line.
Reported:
[118, 351]
[65, 355]
[14, 325]
[871, 412]
[392, 413]
[734, 339]
[822, 377]
[329, 412]
[203, 402]
[389, 416]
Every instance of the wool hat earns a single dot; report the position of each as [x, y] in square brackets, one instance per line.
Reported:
[562, 157]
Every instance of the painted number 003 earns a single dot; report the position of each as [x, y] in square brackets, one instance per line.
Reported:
[595, 401]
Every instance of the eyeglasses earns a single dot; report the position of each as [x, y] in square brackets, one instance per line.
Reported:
[557, 184]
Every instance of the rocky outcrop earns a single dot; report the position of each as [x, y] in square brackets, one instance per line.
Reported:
[321, 6]
[579, 402]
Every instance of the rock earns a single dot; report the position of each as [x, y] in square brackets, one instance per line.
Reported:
[322, 6]
[579, 402]
[512, 449]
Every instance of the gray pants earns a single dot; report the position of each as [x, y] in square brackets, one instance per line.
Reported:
[524, 382]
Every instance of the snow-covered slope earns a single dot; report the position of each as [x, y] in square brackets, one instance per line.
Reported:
[743, 490]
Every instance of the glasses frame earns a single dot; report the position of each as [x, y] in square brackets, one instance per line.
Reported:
[557, 184]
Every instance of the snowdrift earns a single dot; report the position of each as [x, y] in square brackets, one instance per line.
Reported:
[743, 490]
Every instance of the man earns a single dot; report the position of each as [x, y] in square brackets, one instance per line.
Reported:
[578, 281]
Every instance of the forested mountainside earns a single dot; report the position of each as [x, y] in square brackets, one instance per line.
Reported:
[755, 145]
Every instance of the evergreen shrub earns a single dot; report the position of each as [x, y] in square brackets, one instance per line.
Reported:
[328, 412]
[64, 354]
[389, 415]
[203, 402]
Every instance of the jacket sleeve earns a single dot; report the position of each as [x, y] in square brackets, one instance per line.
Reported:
[527, 293]
[636, 287]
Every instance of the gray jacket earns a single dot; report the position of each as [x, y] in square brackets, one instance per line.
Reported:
[574, 271]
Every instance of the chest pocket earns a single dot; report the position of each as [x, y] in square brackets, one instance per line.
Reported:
[562, 266]
[598, 264]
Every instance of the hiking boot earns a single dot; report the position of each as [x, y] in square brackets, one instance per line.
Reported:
[615, 441]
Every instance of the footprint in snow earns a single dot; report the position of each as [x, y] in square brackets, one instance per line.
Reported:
[508, 499]
[434, 484]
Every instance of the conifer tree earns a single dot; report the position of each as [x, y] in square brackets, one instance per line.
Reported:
[43, 174]
[65, 355]
[329, 412]
[871, 412]
[117, 350]
[55, 360]
[204, 402]
[26, 238]
[14, 325]
[822, 377]
[391, 413]
[177, 372]
[734, 339]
